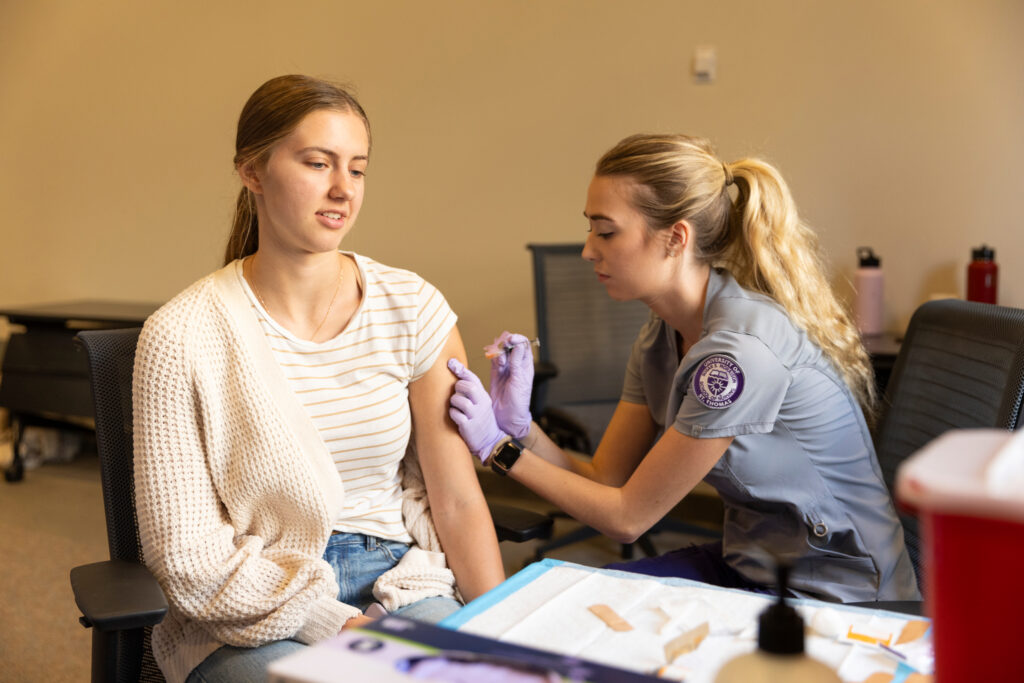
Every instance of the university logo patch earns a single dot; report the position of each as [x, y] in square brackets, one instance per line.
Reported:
[718, 381]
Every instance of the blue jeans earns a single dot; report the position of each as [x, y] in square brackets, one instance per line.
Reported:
[357, 561]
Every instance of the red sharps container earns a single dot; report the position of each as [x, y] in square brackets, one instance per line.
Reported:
[967, 487]
[982, 275]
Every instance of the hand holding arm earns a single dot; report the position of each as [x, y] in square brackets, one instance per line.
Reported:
[472, 413]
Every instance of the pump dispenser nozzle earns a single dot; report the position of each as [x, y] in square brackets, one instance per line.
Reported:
[781, 628]
[780, 646]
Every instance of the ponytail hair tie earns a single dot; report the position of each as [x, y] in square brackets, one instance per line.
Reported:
[729, 180]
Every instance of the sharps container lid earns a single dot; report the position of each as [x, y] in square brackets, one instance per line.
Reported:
[976, 472]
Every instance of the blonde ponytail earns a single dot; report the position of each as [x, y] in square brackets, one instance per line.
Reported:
[778, 255]
[759, 238]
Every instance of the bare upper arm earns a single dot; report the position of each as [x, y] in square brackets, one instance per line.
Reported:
[458, 508]
[446, 462]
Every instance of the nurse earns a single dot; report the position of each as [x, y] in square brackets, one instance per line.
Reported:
[749, 375]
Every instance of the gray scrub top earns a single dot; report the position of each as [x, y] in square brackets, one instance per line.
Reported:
[800, 477]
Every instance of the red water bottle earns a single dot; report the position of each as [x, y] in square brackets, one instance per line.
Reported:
[982, 275]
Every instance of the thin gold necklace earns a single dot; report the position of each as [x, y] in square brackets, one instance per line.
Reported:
[256, 291]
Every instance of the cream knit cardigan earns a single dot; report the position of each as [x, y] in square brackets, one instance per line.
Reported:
[236, 492]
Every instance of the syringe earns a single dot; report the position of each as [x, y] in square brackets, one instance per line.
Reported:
[493, 351]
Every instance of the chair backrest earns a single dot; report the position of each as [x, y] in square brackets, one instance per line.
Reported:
[111, 356]
[585, 333]
[960, 366]
[111, 361]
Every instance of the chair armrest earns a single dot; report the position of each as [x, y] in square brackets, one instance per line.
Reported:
[518, 525]
[565, 430]
[542, 372]
[116, 595]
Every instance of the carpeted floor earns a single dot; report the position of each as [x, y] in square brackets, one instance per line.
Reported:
[50, 521]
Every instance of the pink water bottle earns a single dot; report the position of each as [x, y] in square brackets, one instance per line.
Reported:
[868, 285]
[982, 275]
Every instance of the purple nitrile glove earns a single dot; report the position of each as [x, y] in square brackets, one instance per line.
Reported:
[472, 413]
[512, 383]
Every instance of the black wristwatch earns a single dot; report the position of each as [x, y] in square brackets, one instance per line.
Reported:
[504, 455]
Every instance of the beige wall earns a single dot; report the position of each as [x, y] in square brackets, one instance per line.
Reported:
[898, 125]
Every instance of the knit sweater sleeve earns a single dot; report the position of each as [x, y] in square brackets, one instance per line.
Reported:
[245, 575]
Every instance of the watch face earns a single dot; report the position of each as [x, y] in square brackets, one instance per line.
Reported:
[507, 456]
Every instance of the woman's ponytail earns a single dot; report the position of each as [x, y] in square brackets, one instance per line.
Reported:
[244, 238]
[777, 254]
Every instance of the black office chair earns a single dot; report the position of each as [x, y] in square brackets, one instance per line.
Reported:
[119, 598]
[585, 341]
[960, 366]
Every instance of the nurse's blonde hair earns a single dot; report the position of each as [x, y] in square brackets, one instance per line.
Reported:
[759, 237]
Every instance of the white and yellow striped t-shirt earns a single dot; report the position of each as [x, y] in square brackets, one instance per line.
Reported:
[355, 387]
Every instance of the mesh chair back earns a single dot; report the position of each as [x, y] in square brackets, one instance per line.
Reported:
[111, 362]
[960, 366]
[585, 333]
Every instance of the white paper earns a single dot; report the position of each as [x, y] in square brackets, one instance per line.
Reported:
[552, 613]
